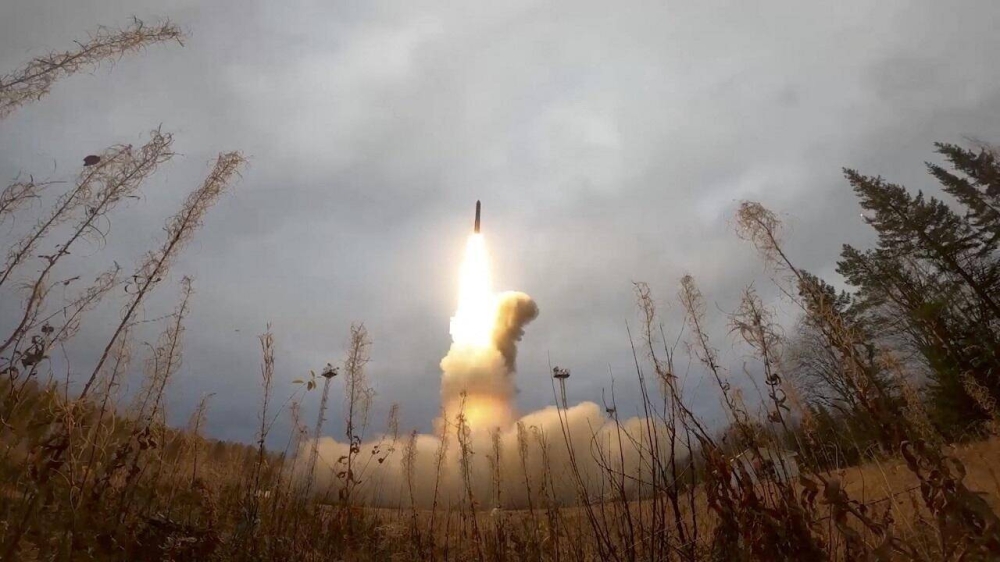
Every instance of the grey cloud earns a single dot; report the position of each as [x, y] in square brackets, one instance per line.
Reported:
[608, 145]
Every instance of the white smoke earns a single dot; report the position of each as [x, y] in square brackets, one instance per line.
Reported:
[564, 456]
[584, 458]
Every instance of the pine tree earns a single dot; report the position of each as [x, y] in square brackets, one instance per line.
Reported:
[912, 307]
[977, 188]
[926, 229]
[934, 278]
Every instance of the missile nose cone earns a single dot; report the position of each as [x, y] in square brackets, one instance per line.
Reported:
[478, 207]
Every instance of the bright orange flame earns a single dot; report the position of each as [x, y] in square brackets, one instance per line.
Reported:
[472, 324]
[483, 412]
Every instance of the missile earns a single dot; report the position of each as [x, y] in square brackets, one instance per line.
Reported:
[476, 230]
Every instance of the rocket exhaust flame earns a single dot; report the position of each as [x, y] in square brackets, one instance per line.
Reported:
[472, 324]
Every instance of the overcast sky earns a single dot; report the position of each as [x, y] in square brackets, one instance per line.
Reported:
[608, 145]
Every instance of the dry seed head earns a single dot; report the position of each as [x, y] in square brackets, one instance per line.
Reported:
[18, 194]
[981, 396]
[756, 224]
[34, 80]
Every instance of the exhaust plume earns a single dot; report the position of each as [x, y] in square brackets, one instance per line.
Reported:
[569, 455]
[478, 381]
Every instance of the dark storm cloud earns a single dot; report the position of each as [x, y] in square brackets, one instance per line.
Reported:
[608, 145]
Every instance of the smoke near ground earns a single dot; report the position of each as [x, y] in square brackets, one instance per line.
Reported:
[551, 455]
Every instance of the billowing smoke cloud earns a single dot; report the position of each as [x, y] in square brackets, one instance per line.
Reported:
[583, 457]
[552, 455]
[479, 381]
[513, 313]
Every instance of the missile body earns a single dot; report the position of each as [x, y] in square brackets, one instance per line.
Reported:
[477, 217]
